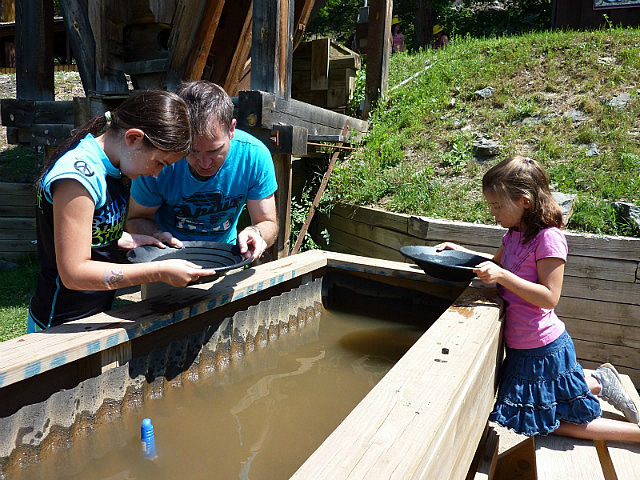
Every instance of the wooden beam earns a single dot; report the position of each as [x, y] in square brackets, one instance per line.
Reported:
[34, 50]
[406, 428]
[318, 197]
[272, 46]
[76, 21]
[378, 52]
[320, 63]
[282, 164]
[241, 56]
[302, 16]
[181, 42]
[24, 113]
[204, 39]
[264, 110]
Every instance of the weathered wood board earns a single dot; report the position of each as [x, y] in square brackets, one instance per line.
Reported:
[601, 293]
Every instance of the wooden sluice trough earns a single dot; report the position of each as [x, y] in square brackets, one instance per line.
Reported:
[424, 419]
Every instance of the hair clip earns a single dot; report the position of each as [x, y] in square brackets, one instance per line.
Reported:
[527, 159]
[108, 118]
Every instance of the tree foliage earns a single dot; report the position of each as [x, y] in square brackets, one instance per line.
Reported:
[477, 18]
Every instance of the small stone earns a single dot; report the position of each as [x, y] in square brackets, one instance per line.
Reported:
[592, 150]
[486, 92]
[576, 115]
[445, 351]
[619, 101]
[485, 147]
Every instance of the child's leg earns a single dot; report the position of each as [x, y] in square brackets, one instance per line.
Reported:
[601, 429]
[605, 382]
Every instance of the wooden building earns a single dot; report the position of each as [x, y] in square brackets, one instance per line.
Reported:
[245, 46]
[583, 14]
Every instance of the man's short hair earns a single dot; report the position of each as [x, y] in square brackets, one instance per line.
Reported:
[209, 105]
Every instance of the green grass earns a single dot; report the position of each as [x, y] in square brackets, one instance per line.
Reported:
[418, 157]
[16, 288]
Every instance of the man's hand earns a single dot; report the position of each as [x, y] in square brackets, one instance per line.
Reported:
[251, 243]
[129, 241]
[167, 239]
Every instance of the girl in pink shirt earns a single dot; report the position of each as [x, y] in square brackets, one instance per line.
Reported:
[542, 389]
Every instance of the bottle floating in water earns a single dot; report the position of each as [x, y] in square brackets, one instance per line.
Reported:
[148, 439]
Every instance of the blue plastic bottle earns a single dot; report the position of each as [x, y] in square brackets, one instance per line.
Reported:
[148, 439]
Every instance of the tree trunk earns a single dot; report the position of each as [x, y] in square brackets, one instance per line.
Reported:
[423, 26]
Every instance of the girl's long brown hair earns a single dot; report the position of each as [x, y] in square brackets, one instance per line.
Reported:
[523, 177]
[161, 115]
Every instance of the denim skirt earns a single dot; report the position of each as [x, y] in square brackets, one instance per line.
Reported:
[542, 386]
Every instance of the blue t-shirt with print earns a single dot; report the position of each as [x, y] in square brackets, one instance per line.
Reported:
[193, 209]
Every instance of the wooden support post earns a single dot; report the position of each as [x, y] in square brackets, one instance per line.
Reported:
[103, 15]
[76, 21]
[303, 15]
[378, 52]
[203, 40]
[318, 197]
[282, 164]
[272, 46]
[34, 50]
[240, 56]
[181, 43]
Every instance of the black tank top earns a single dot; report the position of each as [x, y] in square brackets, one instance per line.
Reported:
[53, 303]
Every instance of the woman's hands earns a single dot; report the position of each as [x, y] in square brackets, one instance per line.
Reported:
[179, 273]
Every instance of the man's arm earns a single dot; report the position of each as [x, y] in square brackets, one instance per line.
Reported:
[264, 218]
[142, 220]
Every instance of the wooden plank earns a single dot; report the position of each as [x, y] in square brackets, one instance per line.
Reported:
[626, 359]
[241, 55]
[282, 164]
[487, 457]
[601, 268]
[34, 53]
[20, 225]
[204, 39]
[604, 290]
[378, 52]
[272, 46]
[517, 462]
[623, 458]
[26, 356]
[24, 113]
[599, 246]
[40, 134]
[303, 9]
[17, 189]
[17, 210]
[263, 110]
[76, 21]
[607, 333]
[609, 312]
[230, 39]
[404, 426]
[319, 64]
[181, 41]
[374, 216]
[563, 457]
[16, 246]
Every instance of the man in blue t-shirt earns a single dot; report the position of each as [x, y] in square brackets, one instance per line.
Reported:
[201, 196]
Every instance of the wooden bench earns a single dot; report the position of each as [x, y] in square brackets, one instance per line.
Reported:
[505, 455]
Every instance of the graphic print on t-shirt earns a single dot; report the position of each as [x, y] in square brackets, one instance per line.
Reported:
[207, 212]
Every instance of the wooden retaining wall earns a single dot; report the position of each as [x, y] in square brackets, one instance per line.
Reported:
[17, 220]
[600, 303]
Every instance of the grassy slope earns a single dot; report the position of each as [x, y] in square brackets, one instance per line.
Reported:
[419, 160]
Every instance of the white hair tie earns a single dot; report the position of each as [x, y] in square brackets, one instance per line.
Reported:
[108, 118]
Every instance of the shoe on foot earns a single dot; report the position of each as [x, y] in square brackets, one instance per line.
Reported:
[614, 393]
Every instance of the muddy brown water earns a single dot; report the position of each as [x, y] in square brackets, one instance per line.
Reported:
[261, 421]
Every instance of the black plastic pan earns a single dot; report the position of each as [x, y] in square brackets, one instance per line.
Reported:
[451, 265]
[211, 255]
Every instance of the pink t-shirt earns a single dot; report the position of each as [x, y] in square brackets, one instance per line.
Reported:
[529, 326]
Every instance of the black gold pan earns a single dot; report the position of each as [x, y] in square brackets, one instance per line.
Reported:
[210, 255]
[451, 265]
